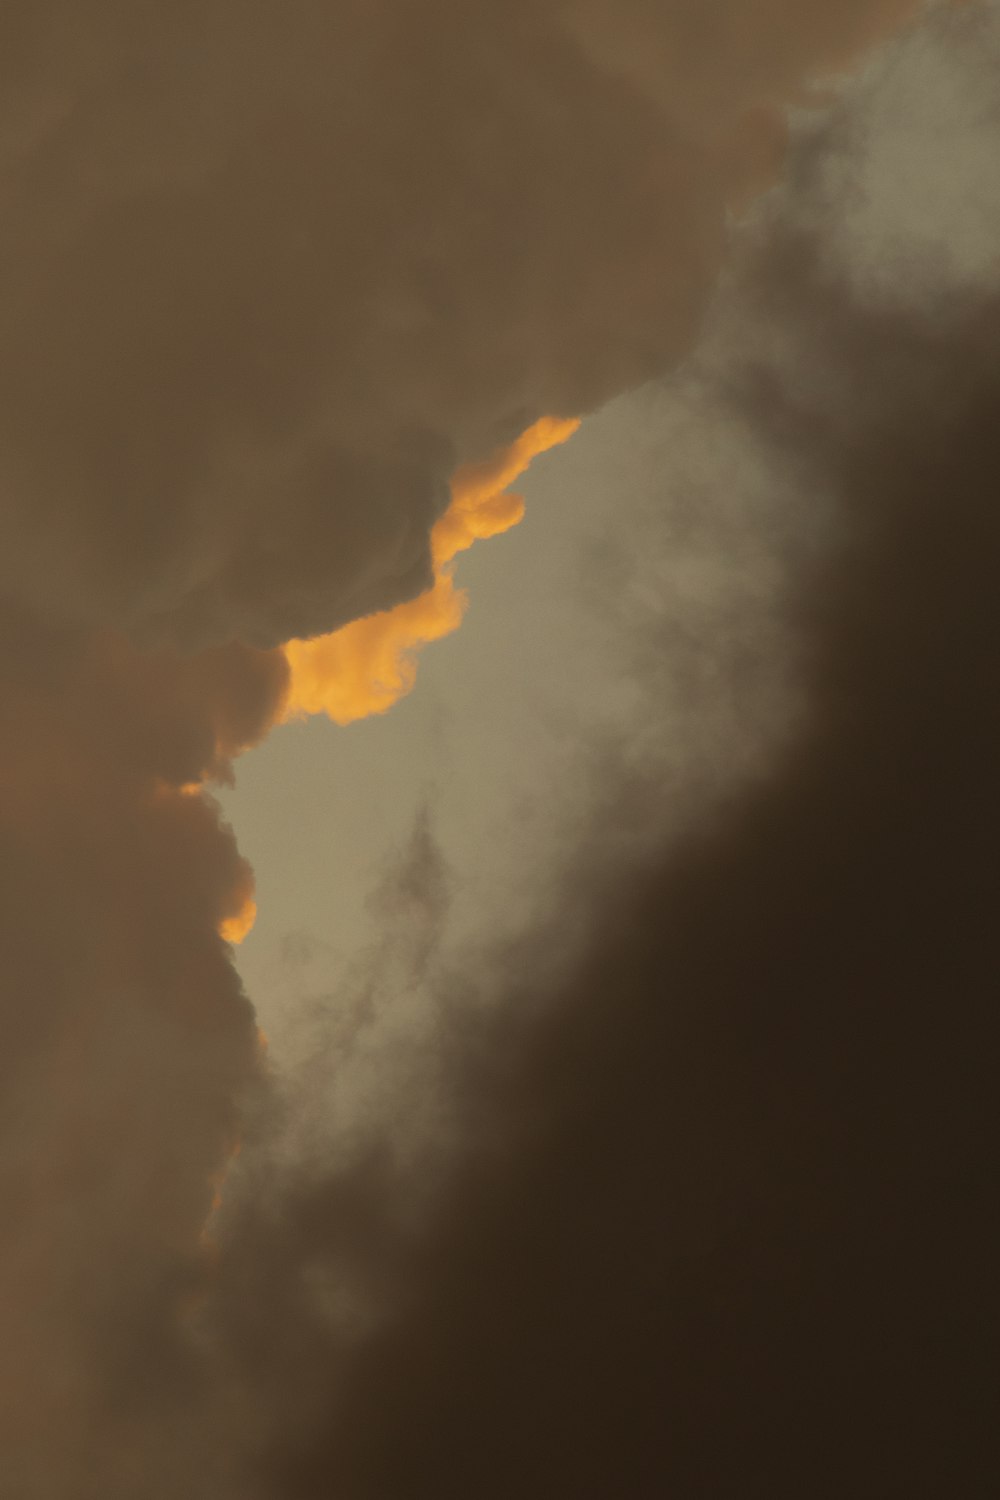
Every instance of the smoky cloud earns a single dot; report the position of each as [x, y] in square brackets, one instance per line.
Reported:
[269, 273]
[720, 1220]
[128, 1041]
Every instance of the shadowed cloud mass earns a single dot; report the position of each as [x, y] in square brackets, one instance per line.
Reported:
[702, 1216]
[271, 271]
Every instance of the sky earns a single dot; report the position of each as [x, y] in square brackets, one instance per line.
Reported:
[497, 750]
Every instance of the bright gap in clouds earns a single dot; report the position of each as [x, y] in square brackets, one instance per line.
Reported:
[338, 787]
[654, 509]
[366, 667]
[513, 715]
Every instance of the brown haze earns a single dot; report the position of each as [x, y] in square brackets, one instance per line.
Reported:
[270, 274]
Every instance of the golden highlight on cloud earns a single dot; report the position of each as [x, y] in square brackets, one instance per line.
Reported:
[367, 666]
[235, 928]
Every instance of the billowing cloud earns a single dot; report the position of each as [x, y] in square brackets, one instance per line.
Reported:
[272, 271]
[269, 275]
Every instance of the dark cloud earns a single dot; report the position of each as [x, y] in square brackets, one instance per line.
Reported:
[128, 1041]
[271, 270]
[720, 1220]
[268, 272]
[709, 63]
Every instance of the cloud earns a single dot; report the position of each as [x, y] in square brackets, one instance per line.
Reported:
[271, 272]
[368, 665]
[719, 1205]
[713, 63]
[128, 1041]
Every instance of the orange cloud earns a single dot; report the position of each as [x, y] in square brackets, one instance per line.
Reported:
[370, 664]
[235, 928]
[239, 919]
